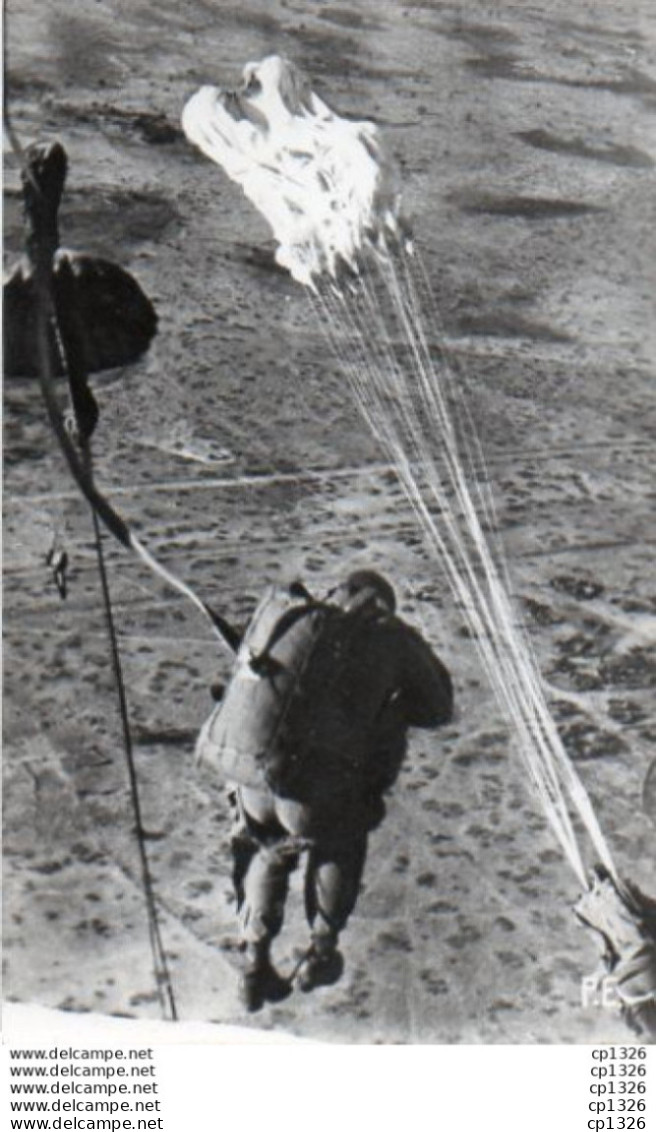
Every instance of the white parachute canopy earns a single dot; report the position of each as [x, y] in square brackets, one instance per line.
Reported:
[322, 182]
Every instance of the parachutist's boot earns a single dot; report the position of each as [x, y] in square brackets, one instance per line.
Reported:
[324, 964]
[260, 982]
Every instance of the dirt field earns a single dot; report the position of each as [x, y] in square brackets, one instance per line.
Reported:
[526, 137]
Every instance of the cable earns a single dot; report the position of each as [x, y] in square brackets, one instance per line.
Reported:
[162, 974]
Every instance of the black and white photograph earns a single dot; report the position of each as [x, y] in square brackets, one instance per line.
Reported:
[329, 598]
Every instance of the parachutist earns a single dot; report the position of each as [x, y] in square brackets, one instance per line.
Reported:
[309, 736]
[57, 560]
[119, 321]
[626, 925]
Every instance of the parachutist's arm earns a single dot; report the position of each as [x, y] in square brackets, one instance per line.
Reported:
[423, 697]
[425, 684]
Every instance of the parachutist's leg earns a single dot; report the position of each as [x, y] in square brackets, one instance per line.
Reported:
[264, 857]
[331, 890]
[243, 844]
[333, 882]
[243, 848]
[265, 887]
[264, 860]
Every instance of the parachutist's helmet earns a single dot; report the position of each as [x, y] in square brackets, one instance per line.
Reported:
[364, 587]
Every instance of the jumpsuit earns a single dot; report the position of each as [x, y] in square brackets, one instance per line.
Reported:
[389, 680]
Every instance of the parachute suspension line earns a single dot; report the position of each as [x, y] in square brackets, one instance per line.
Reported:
[420, 298]
[519, 638]
[459, 571]
[436, 407]
[533, 695]
[82, 468]
[400, 416]
[451, 373]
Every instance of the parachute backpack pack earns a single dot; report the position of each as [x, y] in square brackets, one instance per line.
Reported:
[287, 703]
